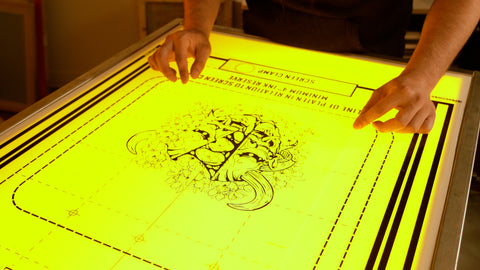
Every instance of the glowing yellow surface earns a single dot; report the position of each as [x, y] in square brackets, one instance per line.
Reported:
[254, 165]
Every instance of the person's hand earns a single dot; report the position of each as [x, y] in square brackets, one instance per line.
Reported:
[416, 112]
[178, 47]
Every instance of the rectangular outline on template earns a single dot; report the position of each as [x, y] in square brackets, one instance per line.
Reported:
[228, 60]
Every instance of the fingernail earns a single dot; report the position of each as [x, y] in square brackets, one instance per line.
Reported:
[194, 73]
[357, 125]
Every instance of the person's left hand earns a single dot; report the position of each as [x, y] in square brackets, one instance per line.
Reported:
[178, 47]
[416, 112]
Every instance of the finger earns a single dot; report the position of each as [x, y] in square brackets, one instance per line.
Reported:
[403, 120]
[374, 99]
[378, 109]
[427, 124]
[361, 122]
[162, 56]
[200, 61]
[153, 62]
[417, 121]
[393, 125]
[421, 123]
[181, 55]
[388, 126]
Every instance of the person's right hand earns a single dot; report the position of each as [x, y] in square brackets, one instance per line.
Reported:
[178, 47]
[410, 96]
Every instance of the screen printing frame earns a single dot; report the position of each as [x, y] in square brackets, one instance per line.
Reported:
[450, 232]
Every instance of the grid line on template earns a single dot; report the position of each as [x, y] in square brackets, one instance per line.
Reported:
[368, 200]
[72, 146]
[348, 197]
[22, 257]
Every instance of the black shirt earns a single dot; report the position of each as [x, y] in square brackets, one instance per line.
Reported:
[376, 26]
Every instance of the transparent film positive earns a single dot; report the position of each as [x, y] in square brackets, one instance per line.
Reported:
[254, 165]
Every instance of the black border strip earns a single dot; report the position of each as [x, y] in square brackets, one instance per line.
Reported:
[391, 205]
[45, 133]
[17, 206]
[394, 197]
[403, 202]
[4, 144]
[428, 191]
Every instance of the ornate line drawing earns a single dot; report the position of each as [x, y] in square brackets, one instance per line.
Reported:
[230, 156]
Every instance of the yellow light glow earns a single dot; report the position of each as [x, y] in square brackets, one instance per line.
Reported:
[254, 165]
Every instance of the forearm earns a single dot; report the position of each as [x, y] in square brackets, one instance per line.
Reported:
[447, 27]
[200, 15]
